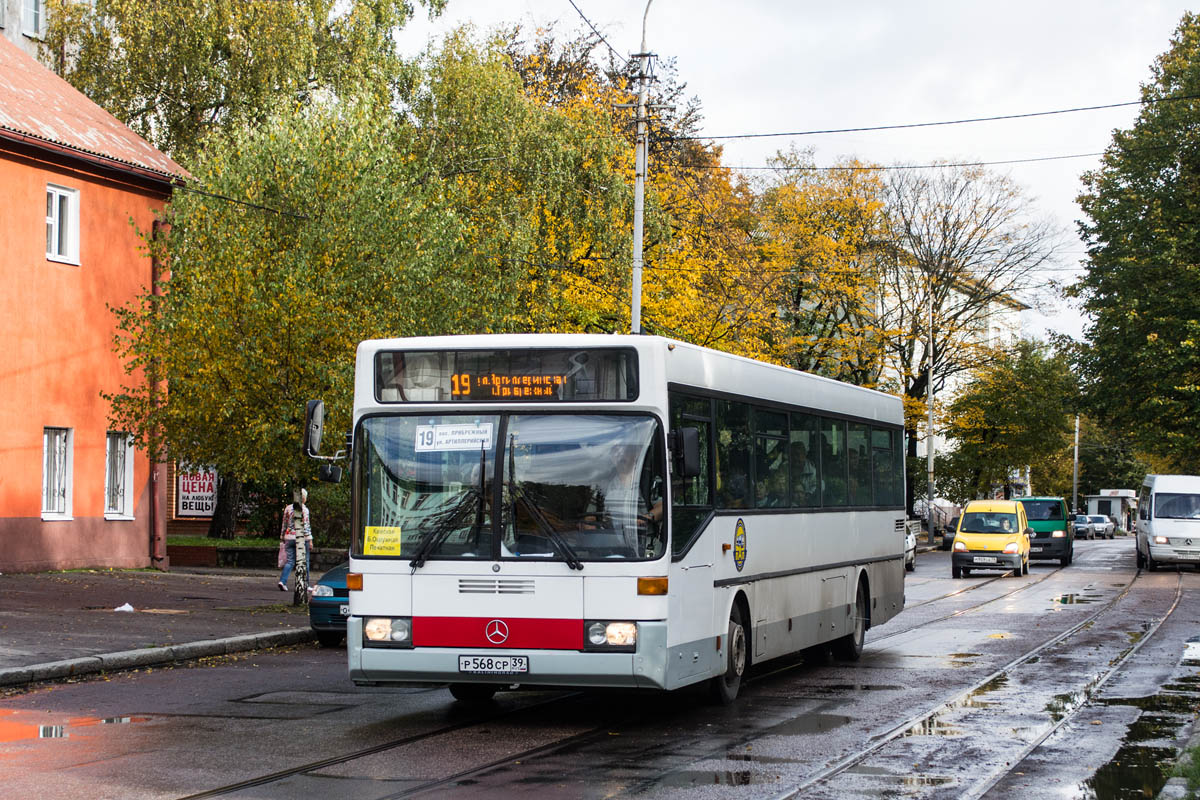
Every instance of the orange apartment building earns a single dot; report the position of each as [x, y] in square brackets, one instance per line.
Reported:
[76, 187]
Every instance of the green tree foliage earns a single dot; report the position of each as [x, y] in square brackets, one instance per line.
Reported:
[1013, 413]
[1108, 459]
[175, 70]
[818, 233]
[1142, 285]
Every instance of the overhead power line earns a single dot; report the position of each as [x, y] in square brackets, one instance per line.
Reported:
[611, 49]
[998, 118]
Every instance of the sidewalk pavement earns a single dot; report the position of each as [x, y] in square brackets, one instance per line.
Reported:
[62, 624]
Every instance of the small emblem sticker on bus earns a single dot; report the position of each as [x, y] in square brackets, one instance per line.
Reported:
[739, 545]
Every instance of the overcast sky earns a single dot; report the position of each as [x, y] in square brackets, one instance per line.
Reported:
[766, 66]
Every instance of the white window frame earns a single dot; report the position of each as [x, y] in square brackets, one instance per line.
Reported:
[58, 456]
[33, 18]
[118, 458]
[62, 234]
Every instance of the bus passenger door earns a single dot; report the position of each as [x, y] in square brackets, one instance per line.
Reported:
[690, 608]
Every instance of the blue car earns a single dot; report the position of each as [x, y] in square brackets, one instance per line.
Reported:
[329, 606]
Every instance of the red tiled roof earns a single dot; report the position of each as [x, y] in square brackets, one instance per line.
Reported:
[37, 103]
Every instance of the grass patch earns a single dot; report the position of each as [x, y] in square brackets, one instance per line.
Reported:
[241, 541]
[1188, 767]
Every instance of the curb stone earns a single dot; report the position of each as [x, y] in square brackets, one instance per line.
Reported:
[131, 659]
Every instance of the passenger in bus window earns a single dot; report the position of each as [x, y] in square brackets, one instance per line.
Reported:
[806, 475]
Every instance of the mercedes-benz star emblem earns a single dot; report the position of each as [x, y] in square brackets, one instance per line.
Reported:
[496, 631]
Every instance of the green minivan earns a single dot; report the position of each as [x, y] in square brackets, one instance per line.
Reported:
[1053, 529]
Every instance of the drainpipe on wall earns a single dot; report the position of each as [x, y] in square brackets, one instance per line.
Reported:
[158, 482]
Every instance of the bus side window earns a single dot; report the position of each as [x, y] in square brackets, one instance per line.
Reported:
[770, 458]
[882, 462]
[691, 498]
[733, 455]
[834, 467]
[859, 459]
[804, 441]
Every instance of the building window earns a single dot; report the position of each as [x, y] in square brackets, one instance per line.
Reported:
[56, 473]
[62, 224]
[34, 16]
[118, 476]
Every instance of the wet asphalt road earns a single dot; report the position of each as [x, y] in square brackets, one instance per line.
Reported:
[1063, 683]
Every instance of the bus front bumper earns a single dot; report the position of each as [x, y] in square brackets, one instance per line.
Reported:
[644, 669]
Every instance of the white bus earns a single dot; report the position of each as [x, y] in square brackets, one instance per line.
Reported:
[617, 511]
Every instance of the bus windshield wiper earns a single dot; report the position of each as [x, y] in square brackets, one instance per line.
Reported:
[453, 517]
[539, 518]
[545, 527]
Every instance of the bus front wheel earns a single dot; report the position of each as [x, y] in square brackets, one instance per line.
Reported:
[724, 688]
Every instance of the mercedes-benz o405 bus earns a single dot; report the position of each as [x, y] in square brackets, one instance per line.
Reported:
[618, 511]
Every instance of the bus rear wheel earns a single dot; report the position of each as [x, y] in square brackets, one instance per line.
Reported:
[724, 688]
[850, 646]
[472, 693]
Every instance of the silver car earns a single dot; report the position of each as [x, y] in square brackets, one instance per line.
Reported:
[1102, 526]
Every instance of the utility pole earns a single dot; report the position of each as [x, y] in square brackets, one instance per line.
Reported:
[1075, 476]
[639, 181]
[929, 424]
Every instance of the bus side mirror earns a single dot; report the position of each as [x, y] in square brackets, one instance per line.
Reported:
[686, 449]
[314, 422]
[328, 473]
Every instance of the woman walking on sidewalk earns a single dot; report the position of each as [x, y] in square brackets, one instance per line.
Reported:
[296, 523]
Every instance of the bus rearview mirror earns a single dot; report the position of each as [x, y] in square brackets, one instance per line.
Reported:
[314, 423]
[687, 452]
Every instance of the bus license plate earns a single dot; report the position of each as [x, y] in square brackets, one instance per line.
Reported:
[1035, 549]
[985, 559]
[494, 665]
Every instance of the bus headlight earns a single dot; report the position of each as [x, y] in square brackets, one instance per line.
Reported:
[1058, 534]
[387, 631]
[1161, 540]
[602, 635]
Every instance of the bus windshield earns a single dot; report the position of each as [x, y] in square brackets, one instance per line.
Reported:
[571, 487]
[1176, 506]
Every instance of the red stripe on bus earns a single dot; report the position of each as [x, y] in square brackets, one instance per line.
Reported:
[521, 632]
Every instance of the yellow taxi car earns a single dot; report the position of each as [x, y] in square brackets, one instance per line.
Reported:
[992, 534]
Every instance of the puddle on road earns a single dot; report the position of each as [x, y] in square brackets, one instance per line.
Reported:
[1143, 761]
[16, 726]
[760, 759]
[809, 724]
[936, 725]
[1073, 599]
[913, 781]
[701, 777]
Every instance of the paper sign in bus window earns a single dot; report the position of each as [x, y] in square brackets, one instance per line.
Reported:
[440, 438]
[381, 541]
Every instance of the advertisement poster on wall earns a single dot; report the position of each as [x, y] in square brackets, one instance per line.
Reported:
[195, 491]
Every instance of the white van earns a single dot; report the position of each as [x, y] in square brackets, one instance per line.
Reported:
[1168, 529]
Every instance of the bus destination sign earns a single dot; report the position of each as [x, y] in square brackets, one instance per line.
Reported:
[465, 386]
[537, 375]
